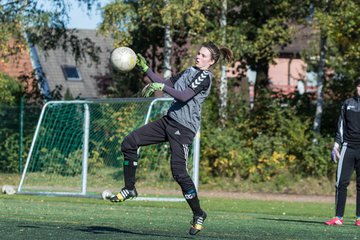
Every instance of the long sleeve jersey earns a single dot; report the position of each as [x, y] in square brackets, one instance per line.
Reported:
[348, 129]
[189, 89]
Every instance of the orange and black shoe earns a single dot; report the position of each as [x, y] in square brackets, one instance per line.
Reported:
[123, 195]
[197, 223]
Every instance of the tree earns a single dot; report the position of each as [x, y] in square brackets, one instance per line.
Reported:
[266, 27]
[155, 29]
[223, 79]
[320, 80]
[167, 49]
[24, 23]
[337, 64]
[255, 31]
[9, 89]
[45, 28]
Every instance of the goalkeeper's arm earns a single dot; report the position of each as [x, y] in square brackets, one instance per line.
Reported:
[141, 63]
[199, 83]
[155, 78]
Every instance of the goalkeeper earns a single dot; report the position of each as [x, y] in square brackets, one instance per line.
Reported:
[189, 89]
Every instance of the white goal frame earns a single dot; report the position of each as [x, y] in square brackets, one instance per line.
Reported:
[83, 192]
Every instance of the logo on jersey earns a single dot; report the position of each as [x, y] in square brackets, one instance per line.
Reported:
[350, 107]
[199, 80]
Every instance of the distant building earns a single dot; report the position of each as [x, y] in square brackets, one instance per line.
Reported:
[83, 79]
[289, 73]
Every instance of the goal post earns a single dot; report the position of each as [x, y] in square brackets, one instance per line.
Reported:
[76, 149]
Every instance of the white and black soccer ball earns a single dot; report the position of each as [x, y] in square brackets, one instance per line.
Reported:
[7, 189]
[123, 59]
[106, 194]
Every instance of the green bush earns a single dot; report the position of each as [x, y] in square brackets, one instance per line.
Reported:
[262, 144]
[9, 154]
[48, 161]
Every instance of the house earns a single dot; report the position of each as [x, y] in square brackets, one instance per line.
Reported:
[81, 79]
[289, 72]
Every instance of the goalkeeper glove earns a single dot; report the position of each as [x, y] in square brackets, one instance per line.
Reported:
[151, 88]
[141, 62]
[335, 154]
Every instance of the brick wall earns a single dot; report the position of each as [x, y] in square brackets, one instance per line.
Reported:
[18, 65]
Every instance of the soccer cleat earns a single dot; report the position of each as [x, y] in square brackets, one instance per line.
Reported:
[335, 221]
[123, 195]
[197, 223]
[357, 222]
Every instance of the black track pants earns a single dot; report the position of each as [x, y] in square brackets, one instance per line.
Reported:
[349, 160]
[162, 130]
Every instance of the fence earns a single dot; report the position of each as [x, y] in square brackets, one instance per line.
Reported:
[17, 126]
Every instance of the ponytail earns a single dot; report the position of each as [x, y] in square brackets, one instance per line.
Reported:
[227, 54]
[216, 52]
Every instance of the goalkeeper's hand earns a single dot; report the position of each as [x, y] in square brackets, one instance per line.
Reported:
[151, 88]
[335, 154]
[141, 62]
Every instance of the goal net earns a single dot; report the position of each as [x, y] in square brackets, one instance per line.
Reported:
[76, 149]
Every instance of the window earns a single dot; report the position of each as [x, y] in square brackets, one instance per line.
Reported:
[71, 73]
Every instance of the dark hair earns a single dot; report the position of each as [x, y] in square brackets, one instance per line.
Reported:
[216, 52]
[357, 81]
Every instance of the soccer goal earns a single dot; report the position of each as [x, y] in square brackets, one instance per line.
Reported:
[76, 149]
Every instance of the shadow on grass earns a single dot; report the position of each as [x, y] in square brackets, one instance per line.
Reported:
[65, 230]
[104, 230]
[28, 226]
[292, 220]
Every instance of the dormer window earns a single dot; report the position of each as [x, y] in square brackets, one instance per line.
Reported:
[71, 73]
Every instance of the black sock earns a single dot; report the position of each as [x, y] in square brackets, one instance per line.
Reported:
[194, 204]
[129, 176]
[193, 201]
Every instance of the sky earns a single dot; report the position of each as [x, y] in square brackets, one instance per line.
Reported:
[81, 20]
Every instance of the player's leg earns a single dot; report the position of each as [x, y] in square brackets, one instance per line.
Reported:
[344, 171]
[180, 138]
[150, 133]
[357, 169]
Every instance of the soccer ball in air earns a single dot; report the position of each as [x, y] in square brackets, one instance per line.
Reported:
[106, 194]
[123, 59]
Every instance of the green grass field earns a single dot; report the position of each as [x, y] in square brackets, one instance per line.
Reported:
[43, 217]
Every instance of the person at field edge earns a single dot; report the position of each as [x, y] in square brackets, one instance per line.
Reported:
[189, 89]
[347, 150]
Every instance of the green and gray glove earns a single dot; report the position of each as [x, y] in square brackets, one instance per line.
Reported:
[151, 88]
[141, 62]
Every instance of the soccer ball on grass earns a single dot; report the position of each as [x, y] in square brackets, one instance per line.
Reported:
[106, 194]
[7, 189]
[123, 59]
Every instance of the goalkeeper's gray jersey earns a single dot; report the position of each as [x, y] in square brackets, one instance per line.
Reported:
[188, 113]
